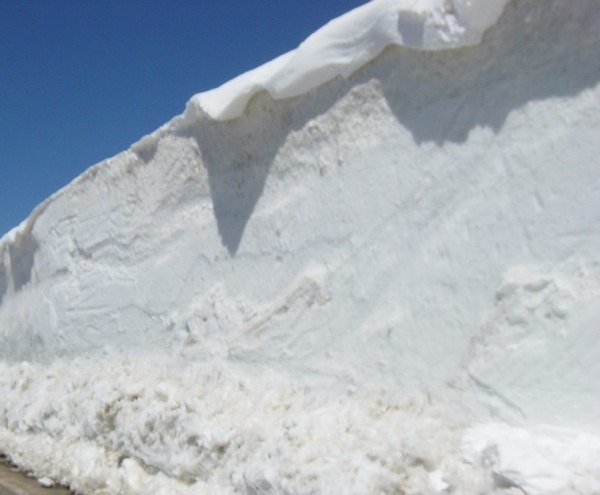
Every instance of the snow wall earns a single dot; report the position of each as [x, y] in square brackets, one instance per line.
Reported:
[381, 276]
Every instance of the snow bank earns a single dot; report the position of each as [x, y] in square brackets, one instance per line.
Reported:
[387, 283]
[141, 426]
[149, 427]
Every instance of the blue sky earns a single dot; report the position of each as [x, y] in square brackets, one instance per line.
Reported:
[81, 80]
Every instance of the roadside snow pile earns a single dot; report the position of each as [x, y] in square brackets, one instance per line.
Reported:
[147, 426]
[371, 270]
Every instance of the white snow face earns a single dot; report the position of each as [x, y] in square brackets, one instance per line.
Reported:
[328, 293]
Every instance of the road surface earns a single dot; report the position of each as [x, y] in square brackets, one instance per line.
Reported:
[13, 482]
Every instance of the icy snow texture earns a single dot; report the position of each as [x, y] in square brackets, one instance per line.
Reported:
[141, 426]
[405, 263]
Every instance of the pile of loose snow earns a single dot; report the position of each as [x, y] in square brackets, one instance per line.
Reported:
[377, 283]
[143, 426]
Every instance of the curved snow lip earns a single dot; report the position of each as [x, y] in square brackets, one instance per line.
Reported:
[349, 42]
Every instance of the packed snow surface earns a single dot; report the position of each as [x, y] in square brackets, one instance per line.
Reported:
[369, 266]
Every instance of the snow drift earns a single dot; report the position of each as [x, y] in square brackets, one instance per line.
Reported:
[373, 271]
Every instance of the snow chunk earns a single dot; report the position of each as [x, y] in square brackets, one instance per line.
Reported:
[540, 460]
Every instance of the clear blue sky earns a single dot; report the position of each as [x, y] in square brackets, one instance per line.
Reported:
[81, 80]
